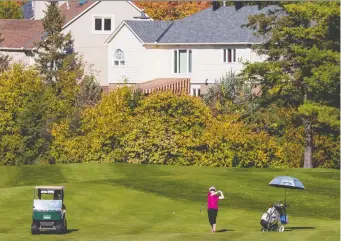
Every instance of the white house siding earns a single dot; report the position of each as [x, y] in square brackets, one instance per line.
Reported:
[207, 62]
[21, 57]
[256, 58]
[147, 63]
[90, 44]
[135, 55]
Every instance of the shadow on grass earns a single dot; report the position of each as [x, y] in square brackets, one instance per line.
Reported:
[150, 179]
[224, 230]
[294, 228]
[72, 230]
[55, 233]
[37, 175]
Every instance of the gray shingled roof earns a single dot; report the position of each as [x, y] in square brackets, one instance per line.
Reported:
[220, 26]
[148, 31]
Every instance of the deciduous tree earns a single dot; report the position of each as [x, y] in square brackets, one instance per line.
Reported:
[172, 10]
[100, 136]
[11, 10]
[17, 85]
[166, 129]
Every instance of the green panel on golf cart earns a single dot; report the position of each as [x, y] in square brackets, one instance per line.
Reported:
[47, 215]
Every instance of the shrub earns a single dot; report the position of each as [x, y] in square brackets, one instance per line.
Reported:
[166, 129]
[100, 135]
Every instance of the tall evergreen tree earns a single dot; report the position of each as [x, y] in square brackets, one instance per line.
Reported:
[55, 46]
[302, 69]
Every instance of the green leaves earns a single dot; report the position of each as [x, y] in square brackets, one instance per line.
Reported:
[302, 68]
[321, 114]
[231, 89]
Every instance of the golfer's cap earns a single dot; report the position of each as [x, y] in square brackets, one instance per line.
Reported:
[211, 188]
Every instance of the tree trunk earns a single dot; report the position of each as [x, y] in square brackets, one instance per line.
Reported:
[308, 145]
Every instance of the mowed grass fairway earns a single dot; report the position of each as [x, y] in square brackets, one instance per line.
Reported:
[136, 202]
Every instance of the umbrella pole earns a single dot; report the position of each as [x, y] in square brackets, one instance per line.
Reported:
[285, 196]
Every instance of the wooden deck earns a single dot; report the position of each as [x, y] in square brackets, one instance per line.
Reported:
[176, 85]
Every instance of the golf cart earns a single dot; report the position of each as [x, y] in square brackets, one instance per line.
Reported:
[49, 212]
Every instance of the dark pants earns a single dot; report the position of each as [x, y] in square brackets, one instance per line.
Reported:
[212, 215]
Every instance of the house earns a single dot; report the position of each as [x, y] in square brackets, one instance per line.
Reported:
[189, 53]
[18, 39]
[90, 23]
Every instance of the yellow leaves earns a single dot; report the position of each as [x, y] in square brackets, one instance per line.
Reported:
[172, 10]
[15, 86]
[228, 139]
[170, 129]
[167, 129]
[275, 90]
[279, 154]
[99, 136]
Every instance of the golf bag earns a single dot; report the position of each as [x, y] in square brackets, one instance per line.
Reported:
[273, 218]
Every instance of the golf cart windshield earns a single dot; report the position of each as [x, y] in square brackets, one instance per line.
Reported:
[47, 205]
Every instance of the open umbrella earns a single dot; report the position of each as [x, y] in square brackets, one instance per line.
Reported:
[286, 182]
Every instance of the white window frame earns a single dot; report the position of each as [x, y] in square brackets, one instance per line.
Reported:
[178, 62]
[196, 88]
[120, 65]
[103, 16]
[234, 58]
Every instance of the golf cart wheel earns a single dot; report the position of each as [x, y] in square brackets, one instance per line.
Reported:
[34, 228]
[59, 227]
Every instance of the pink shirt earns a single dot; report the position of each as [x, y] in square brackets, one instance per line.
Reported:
[212, 201]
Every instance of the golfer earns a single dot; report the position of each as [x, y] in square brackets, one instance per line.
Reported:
[212, 206]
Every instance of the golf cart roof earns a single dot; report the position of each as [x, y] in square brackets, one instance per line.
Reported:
[50, 187]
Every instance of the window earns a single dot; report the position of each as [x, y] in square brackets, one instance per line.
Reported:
[98, 24]
[195, 90]
[229, 56]
[182, 61]
[118, 59]
[103, 24]
[107, 24]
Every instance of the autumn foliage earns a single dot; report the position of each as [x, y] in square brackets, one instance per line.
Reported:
[66, 119]
[172, 10]
[11, 9]
[166, 128]
[162, 128]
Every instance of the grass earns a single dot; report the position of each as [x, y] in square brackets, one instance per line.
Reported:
[147, 202]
